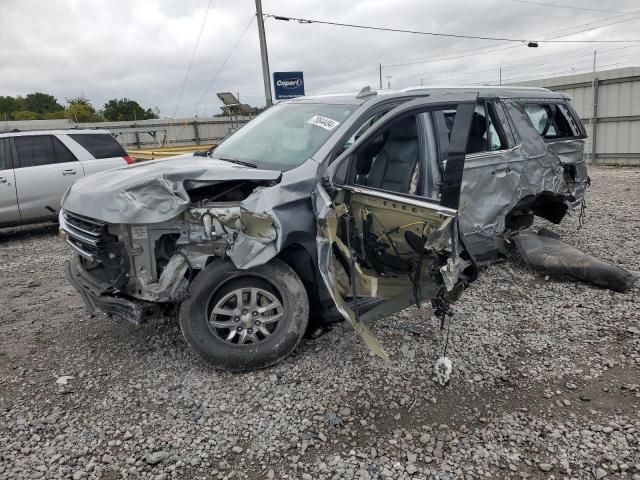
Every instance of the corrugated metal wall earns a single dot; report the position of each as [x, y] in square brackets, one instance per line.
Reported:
[617, 122]
[147, 133]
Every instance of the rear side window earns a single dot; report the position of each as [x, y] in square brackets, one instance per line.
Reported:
[4, 161]
[552, 120]
[36, 150]
[486, 134]
[100, 145]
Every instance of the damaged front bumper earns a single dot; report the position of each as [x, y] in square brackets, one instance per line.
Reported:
[98, 295]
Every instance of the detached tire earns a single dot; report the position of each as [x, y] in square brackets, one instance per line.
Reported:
[240, 320]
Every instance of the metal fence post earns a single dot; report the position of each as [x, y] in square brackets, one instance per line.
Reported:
[594, 121]
[195, 132]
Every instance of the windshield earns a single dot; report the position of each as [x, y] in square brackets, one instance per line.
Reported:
[285, 135]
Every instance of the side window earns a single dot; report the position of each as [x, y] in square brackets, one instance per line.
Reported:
[63, 154]
[486, 134]
[36, 150]
[4, 164]
[504, 121]
[368, 123]
[100, 145]
[391, 159]
[551, 120]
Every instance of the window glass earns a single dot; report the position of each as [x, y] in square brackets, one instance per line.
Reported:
[63, 154]
[390, 160]
[285, 135]
[551, 121]
[504, 121]
[100, 145]
[363, 128]
[483, 134]
[572, 123]
[34, 150]
[3, 155]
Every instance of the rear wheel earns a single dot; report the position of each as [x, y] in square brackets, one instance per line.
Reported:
[241, 320]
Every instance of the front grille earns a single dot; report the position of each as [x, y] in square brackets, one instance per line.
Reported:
[84, 235]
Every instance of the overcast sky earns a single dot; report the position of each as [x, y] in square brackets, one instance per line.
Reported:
[141, 49]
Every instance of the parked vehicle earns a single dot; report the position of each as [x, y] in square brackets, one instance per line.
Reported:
[37, 167]
[356, 204]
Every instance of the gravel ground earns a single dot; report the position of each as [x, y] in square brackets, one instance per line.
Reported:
[545, 381]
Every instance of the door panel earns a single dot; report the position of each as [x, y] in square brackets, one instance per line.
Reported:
[394, 247]
[8, 202]
[9, 212]
[40, 179]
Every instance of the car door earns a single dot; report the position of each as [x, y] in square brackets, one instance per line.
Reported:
[383, 245]
[9, 212]
[45, 169]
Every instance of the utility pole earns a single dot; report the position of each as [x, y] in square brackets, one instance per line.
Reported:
[500, 75]
[388, 81]
[594, 110]
[266, 75]
[380, 71]
[422, 82]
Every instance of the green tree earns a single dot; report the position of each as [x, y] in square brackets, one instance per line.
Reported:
[81, 110]
[10, 105]
[25, 115]
[53, 115]
[126, 109]
[42, 103]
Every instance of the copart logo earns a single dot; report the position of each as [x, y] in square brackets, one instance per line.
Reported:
[290, 83]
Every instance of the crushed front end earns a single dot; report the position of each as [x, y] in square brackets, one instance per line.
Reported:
[137, 271]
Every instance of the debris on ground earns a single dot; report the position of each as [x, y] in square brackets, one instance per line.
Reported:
[144, 406]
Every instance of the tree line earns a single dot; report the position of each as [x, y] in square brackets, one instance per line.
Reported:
[42, 106]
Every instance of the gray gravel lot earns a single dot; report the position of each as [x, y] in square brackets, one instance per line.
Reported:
[545, 381]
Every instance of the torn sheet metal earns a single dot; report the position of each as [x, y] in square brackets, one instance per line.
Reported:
[271, 214]
[494, 183]
[556, 257]
[153, 191]
[326, 238]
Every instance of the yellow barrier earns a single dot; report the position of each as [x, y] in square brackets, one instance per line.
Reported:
[164, 152]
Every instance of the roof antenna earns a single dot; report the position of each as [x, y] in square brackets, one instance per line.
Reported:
[366, 92]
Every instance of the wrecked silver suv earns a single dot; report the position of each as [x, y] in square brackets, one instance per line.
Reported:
[343, 206]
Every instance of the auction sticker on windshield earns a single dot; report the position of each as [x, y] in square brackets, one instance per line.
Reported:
[324, 122]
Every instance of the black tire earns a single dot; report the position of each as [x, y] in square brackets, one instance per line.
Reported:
[217, 280]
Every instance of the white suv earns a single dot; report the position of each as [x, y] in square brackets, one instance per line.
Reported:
[37, 167]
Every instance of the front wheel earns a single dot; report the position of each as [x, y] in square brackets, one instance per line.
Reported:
[240, 320]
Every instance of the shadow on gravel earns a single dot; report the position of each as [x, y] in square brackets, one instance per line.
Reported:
[38, 229]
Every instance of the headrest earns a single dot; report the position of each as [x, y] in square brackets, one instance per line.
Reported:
[478, 125]
[405, 129]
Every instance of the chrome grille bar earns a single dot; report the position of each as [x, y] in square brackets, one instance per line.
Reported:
[82, 234]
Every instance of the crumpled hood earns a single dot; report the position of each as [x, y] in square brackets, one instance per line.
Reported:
[152, 191]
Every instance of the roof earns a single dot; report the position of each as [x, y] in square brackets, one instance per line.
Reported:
[484, 92]
[21, 133]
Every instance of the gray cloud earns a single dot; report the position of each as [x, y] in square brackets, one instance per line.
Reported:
[141, 49]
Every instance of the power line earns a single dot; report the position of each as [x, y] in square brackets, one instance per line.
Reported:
[186, 75]
[493, 49]
[509, 68]
[412, 61]
[570, 6]
[437, 34]
[224, 63]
